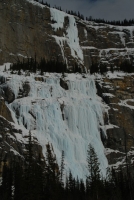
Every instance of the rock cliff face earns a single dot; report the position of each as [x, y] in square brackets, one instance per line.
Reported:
[117, 91]
[14, 144]
[28, 28]
[4, 111]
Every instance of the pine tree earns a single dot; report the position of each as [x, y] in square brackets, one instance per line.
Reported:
[5, 69]
[70, 182]
[94, 68]
[18, 175]
[40, 179]
[35, 64]
[7, 182]
[62, 168]
[109, 185]
[94, 172]
[51, 173]
[29, 173]
[82, 190]
[93, 164]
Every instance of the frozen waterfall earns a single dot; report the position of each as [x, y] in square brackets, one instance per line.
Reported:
[68, 119]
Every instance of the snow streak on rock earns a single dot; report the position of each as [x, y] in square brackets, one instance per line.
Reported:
[71, 35]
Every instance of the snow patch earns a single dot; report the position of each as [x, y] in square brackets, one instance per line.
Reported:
[108, 95]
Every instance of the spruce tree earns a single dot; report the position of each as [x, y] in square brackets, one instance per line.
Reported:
[94, 172]
[51, 173]
[70, 182]
[7, 182]
[18, 175]
[29, 174]
[93, 164]
[40, 179]
[62, 168]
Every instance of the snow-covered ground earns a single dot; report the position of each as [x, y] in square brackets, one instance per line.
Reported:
[68, 119]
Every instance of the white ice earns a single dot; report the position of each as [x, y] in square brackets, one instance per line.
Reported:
[71, 36]
[68, 119]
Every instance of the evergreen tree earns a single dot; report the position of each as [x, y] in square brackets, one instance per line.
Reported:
[82, 190]
[7, 182]
[94, 68]
[103, 68]
[5, 69]
[35, 64]
[93, 164]
[93, 179]
[40, 179]
[51, 173]
[70, 182]
[18, 175]
[29, 173]
[62, 168]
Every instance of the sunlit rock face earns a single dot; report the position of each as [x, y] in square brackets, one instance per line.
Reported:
[29, 28]
[69, 119]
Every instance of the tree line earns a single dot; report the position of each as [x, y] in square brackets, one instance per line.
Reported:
[52, 66]
[78, 14]
[42, 66]
[102, 68]
[43, 3]
[124, 22]
[43, 179]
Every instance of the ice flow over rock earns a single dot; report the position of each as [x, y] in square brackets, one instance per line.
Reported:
[67, 119]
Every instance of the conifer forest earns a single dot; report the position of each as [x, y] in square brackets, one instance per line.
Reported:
[45, 179]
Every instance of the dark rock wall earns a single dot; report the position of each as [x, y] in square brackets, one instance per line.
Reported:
[14, 145]
[4, 111]
[118, 94]
[25, 30]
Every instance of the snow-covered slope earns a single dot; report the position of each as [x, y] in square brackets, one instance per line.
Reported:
[67, 119]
